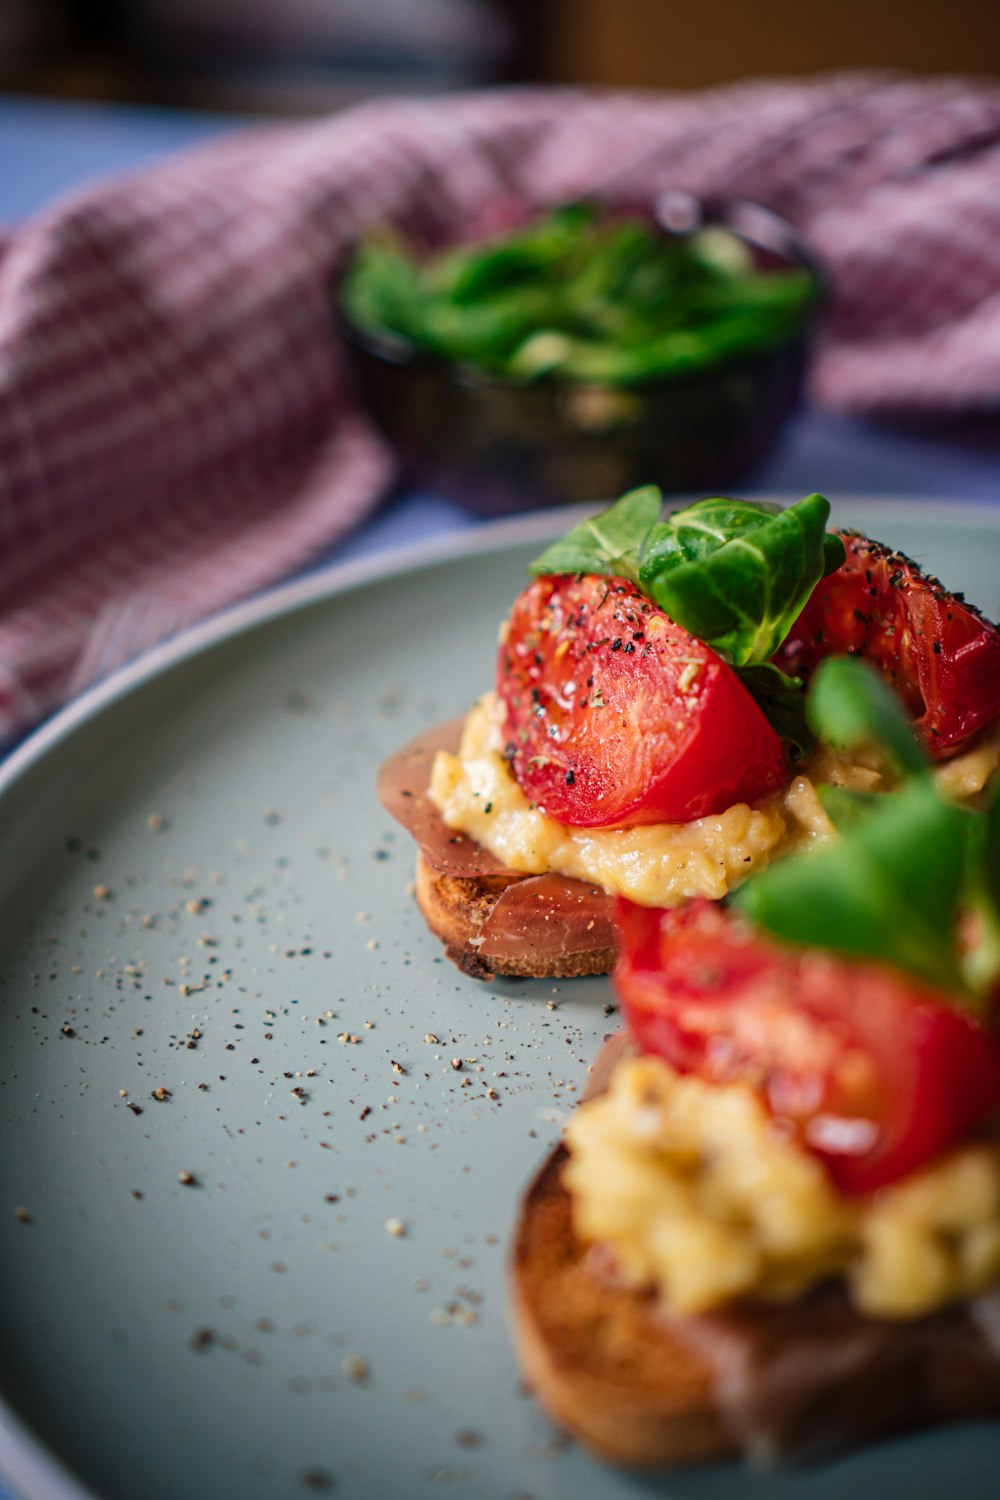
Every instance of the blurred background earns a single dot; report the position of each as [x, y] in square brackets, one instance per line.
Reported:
[293, 57]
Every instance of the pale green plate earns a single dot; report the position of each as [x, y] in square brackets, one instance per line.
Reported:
[173, 1342]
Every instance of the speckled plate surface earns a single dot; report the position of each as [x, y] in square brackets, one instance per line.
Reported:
[253, 1216]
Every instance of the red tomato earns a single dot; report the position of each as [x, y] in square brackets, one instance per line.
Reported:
[615, 715]
[873, 1071]
[942, 655]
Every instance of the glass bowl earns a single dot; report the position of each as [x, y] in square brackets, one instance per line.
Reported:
[495, 445]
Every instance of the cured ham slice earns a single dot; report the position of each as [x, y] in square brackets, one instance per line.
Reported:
[805, 1379]
[550, 914]
[492, 920]
[816, 1376]
[402, 790]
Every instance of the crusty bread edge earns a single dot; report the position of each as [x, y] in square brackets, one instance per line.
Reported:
[652, 1406]
[455, 908]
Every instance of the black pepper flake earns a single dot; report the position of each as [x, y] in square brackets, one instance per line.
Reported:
[936, 648]
[570, 778]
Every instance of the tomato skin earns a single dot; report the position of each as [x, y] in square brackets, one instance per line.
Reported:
[942, 655]
[617, 716]
[873, 1072]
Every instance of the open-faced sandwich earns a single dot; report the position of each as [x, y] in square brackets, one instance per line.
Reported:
[646, 734]
[774, 1225]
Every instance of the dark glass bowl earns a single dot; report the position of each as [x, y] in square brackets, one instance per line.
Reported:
[497, 446]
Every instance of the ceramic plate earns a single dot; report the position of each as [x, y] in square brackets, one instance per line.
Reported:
[262, 1144]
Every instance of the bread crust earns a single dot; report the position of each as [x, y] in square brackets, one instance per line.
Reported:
[638, 1387]
[595, 1354]
[455, 908]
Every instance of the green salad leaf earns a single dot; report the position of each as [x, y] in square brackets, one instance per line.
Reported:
[784, 704]
[980, 900]
[909, 863]
[845, 806]
[582, 294]
[990, 853]
[609, 543]
[850, 709]
[737, 573]
[888, 890]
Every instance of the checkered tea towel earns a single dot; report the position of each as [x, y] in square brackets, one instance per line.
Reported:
[175, 426]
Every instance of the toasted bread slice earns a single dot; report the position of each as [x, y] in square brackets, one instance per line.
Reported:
[594, 1354]
[457, 908]
[810, 1377]
[492, 920]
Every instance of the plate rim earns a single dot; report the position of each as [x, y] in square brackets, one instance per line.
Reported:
[27, 1464]
[388, 562]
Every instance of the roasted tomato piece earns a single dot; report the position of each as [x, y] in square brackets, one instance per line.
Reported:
[615, 715]
[941, 654]
[873, 1071]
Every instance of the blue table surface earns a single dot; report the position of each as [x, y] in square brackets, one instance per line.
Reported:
[49, 148]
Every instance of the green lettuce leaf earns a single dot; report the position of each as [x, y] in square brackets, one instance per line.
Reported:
[911, 868]
[850, 708]
[607, 543]
[888, 890]
[783, 702]
[845, 807]
[737, 573]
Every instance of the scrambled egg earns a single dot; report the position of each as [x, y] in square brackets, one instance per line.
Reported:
[700, 1196]
[659, 864]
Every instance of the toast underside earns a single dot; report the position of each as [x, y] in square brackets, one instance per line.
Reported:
[598, 1360]
[808, 1378]
[456, 907]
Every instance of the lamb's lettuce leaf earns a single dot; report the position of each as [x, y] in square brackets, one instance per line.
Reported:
[887, 890]
[910, 867]
[735, 573]
[609, 543]
[851, 709]
[784, 704]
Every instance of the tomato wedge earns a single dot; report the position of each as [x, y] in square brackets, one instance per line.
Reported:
[871, 1070]
[942, 655]
[616, 716]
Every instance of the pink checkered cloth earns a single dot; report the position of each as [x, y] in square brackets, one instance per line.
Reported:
[175, 427]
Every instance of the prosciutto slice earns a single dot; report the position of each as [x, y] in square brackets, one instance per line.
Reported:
[530, 920]
[815, 1376]
[550, 914]
[402, 790]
